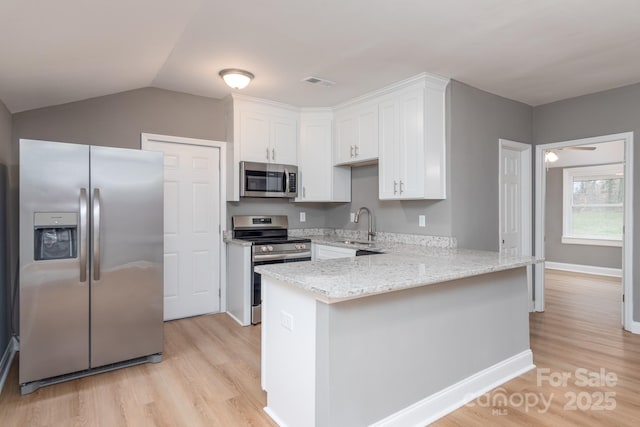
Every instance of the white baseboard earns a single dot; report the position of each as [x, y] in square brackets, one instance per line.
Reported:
[236, 319]
[633, 327]
[274, 417]
[586, 269]
[451, 398]
[7, 359]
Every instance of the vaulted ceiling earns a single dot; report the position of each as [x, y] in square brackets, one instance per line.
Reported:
[53, 52]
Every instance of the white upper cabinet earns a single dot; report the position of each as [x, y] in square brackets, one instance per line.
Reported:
[401, 127]
[356, 134]
[412, 141]
[259, 131]
[318, 179]
[254, 136]
[266, 134]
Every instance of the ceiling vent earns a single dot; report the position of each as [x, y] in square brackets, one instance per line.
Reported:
[318, 81]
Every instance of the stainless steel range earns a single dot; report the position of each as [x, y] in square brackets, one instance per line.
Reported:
[271, 245]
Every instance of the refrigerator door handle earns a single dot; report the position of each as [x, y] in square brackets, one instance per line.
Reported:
[83, 235]
[96, 234]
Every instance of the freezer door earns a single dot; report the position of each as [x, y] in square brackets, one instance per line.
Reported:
[54, 298]
[126, 253]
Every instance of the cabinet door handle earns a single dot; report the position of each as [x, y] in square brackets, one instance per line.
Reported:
[395, 187]
[400, 186]
[267, 153]
[304, 192]
[356, 151]
[351, 151]
[273, 154]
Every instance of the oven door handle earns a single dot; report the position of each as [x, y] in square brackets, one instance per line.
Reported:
[272, 257]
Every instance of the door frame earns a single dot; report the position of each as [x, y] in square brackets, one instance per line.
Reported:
[627, 247]
[146, 138]
[526, 181]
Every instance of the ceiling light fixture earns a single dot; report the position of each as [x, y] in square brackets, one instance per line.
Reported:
[235, 78]
[550, 157]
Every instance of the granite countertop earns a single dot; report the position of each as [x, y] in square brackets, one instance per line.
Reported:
[400, 266]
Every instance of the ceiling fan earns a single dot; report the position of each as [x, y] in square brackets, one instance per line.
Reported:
[551, 155]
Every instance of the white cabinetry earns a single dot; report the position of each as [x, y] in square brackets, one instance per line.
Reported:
[239, 283]
[260, 131]
[318, 179]
[412, 142]
[356, 134]
[320, 252]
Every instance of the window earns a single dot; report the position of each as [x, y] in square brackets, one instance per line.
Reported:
[593, 208]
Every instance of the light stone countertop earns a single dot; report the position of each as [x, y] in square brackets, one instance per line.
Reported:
[401, 266]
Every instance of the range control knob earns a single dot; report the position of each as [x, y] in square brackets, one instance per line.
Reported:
[263, 249]
[270, 248]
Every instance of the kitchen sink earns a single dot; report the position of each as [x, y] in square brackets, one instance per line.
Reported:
[357, 243]
[362, 252]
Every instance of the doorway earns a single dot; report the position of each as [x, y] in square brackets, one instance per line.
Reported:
[627, 239]
[514, 202]
[194, 210]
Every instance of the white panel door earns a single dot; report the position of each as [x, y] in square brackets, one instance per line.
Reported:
[510, 193]
[191, 229]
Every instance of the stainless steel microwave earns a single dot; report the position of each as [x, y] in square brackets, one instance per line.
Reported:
[268, 180]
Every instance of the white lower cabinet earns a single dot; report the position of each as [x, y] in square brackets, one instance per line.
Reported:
[239, 283]
[318, 179]
[320, 252]
[412, 142]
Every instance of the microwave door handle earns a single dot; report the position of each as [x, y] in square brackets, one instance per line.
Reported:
[286, 181]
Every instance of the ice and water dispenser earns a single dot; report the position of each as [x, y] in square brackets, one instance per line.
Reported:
[55, 235]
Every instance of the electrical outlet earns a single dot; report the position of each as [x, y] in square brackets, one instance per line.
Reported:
[303, 216]
[286, 320]
[422, 221]
[352, 217]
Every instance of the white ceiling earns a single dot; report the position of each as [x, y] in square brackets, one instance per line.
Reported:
[52, 52]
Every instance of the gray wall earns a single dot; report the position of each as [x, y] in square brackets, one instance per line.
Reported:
[478, 120]
[390, 216]
[316, 213]
[555, 250]
[603, 113]
[5, 277]
[117, 120]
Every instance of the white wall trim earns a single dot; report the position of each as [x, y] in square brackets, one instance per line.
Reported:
[585, 269]
[526, 185]
[146, 138]
[453, 397]
[593, 241]
[7, 359]
[627, 249]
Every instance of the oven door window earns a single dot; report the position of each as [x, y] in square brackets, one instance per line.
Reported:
[265, 181]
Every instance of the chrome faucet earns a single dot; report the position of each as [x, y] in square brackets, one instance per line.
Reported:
[370, 232]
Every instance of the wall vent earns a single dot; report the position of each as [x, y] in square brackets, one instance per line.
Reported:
[318, 81]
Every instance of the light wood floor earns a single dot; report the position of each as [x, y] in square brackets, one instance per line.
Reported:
[210, 375]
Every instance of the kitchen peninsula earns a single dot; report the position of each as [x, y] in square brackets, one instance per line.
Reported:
[400, 338]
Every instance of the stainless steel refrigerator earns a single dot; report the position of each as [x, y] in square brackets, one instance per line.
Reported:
[91, 260]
